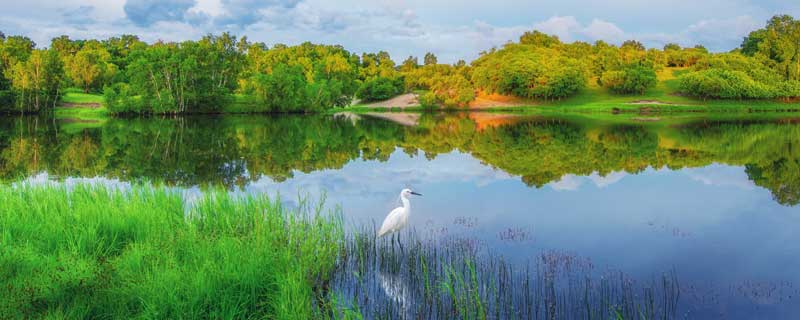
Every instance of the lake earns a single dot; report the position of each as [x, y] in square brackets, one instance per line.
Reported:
[710, 199]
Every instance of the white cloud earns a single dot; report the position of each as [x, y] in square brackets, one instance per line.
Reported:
[568, 182]
[603, 30]
[721, 176]
[566, 28]
[720, 33]
[571, 182]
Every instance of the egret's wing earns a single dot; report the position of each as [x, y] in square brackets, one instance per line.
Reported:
[391, 222]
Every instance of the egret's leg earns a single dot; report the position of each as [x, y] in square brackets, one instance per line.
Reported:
[399, 243]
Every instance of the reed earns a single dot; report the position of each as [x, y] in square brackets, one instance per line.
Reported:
[453, 278]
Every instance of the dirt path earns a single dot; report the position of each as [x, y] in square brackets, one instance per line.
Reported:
[482, 101]
[402, 101]
[488, 101]
[650, 102]
[90, 105]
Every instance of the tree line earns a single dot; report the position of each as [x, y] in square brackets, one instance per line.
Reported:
[224, 70]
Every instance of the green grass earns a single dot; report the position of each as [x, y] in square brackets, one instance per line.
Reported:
[80, 110]
[77, 96]
[82, 113]
[93, 252]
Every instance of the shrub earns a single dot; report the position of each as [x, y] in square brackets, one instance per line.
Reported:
[634, 78]
[453, 91]
[724, 84]
[530, 72]
[119, 99]
[428, 100]
[380, 88]
[284, 90]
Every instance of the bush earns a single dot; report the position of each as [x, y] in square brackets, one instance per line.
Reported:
[789, 89]
[428, 100]
[530, 72]
[634, 78]
[283, 90]
[119, 99]
[380, 88]
[725, 84]
[453, 91]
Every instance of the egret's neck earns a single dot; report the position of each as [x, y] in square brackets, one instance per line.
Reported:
[406, 203]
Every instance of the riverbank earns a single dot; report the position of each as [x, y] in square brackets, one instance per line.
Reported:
[663, 98]
[79, 105]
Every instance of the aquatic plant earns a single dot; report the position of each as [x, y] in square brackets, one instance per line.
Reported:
[448, 277]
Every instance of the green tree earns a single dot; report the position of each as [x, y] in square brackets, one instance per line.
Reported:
[633, 44]
[285, 89]
[65, 46]
[430, 59]
[539, 39]
[120, 48]
[15, 49]
[529, 71]
[779, 42]
[37, 81]
[331, 73]
[750, 44]
[379, 88]
[672, 46]
[90, 68]
[409, 64]
[453, 91]
[184, 77]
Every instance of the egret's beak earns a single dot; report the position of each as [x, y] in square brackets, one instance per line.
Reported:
[416, 194]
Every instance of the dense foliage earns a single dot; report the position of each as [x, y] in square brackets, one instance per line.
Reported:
[307, 77]
[529, 71]
[180, 77]
[224, 72]
[380, 88]
[766, 66]
[633, 78]
[31, 77]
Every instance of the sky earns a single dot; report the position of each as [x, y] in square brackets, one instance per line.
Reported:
[452, 30]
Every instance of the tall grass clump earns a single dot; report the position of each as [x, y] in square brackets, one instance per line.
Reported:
[95, 252]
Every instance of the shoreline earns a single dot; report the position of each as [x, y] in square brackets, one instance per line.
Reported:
[631, 105]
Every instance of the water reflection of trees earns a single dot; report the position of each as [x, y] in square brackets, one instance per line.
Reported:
[236, 150]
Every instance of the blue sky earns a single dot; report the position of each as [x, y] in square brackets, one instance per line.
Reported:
[453, 30]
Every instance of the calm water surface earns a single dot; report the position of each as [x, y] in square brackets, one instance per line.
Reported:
[713, 199]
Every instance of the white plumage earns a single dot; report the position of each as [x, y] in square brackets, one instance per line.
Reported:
[398, 218]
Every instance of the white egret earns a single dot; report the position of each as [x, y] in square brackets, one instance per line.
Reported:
[398, 218]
